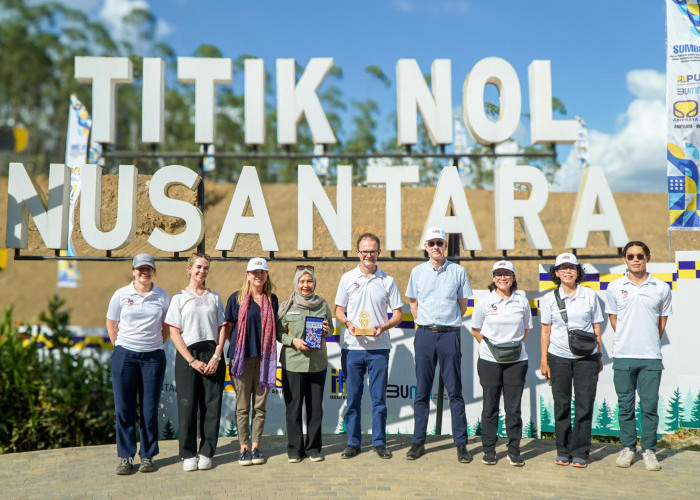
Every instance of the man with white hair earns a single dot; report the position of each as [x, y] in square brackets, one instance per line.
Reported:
[438, 291]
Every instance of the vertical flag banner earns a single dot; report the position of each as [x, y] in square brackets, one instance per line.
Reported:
[77, 140]
[208, 162]
[319, 163]
[683, 125]
[460, 144]
[582, 143]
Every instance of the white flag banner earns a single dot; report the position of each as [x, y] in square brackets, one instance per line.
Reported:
[320, 164]
[77, 140]
[683, 120]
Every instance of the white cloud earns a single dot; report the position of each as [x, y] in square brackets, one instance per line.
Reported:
[634, 157]
[436, 7]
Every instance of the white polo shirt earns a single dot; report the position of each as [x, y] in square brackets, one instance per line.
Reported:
[374, 294]
[501, 320]
[140, 317]
[583, 310]
[638, 310]
[198, 318]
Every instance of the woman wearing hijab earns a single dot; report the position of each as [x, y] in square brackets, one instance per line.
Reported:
[304, 363]
[251, 315]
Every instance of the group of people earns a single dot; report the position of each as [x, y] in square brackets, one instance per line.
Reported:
[141, 316]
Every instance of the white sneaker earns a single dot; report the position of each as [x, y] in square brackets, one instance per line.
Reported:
[650, 461]
[189, 464]
[204, 463]
[626, 458]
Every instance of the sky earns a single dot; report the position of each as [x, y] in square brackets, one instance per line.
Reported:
[607, 58]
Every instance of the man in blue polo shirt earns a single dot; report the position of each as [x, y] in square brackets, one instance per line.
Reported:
[639, 305]
[438, 291]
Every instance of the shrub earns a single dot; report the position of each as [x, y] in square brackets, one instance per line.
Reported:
[52, 396]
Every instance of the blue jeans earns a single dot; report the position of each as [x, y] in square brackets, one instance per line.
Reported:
[355, 363]
[137, 374]
[446, 348]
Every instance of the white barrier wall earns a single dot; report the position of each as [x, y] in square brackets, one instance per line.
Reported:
[679, 403]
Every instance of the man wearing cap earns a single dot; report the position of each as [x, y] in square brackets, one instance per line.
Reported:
[438, 291]
[639, 305]
[364, 295]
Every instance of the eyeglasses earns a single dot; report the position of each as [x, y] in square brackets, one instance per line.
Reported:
[503, 276]
[566, 267]
[302, 267]
[631, 256]
[438, 243]
[368, 253]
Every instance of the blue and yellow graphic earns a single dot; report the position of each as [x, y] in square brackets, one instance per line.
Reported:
[337, 381]
[683, 186]
[691, 10]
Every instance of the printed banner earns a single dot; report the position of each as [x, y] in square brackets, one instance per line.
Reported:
[77, 140]
[683, 126]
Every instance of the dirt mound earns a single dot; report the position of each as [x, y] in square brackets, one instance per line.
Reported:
[27, 285]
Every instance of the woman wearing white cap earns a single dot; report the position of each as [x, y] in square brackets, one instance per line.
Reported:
[251, 314]
[500, 323]
[135, 325]
[571, 354]
[198, 330]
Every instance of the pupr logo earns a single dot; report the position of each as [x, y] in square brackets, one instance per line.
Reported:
[624, 294]
[494, 307]
[129, 302]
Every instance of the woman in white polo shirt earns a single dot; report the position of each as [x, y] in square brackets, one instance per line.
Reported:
[564, 367]
[198, 330]
[500, 323]
[135, 325]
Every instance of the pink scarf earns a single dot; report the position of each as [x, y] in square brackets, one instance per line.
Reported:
[268, 348]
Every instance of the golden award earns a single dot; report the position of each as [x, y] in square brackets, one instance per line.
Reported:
[364, 329]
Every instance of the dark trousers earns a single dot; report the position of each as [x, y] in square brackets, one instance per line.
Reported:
[303, 389]
[137, 375]
[509, 379]
[198, 392]
[583, 374]
[644, 375]
[355, 363]
[446, 348]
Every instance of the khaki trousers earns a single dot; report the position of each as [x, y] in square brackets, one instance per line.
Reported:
[247, 390]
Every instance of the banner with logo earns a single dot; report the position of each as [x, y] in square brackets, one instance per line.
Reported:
[683, 128]
[77, 141]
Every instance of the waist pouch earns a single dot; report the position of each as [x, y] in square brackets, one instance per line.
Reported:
[507, 352]
[582, 343]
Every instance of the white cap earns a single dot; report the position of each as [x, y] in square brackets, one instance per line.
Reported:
[257, 263]
[503, 264]
[435, 233]
[565, 258]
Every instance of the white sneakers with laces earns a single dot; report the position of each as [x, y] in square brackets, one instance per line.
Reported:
[189, 464]
[626, 458]
[650, 461]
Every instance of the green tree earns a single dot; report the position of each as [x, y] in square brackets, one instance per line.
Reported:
[638, 418]
[546, 419]
[530, 429]
[232, 430]
[604, 420]
[695, 412]
[169, 430]
[501, 424]
[477, 428]
[674, 411]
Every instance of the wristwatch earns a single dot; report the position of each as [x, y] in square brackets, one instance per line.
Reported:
[216, 357]
[600, 354]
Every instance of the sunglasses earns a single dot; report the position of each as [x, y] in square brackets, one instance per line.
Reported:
[438, 243]
[302, 267]
[631, 256]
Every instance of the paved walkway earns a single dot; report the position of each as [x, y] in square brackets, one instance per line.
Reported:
[89, 472]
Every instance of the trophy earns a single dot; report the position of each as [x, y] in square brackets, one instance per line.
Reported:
[364, 329]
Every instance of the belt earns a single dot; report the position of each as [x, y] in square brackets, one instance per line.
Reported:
[439, 328]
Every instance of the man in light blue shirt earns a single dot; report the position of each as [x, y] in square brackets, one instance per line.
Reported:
[438, 291]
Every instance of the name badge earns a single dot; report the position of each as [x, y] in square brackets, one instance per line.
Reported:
[290, 313]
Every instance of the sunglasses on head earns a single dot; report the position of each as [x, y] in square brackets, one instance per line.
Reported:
[302, 267]
[631, 256]
[438, 243]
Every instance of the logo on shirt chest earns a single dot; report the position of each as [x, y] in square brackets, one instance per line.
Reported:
[129, 302]
[624, 294]
[494, 307]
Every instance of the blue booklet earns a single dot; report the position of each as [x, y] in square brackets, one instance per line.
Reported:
[313, 335]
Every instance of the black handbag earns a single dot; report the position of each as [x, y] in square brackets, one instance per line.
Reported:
[507, 352]
[581, 342]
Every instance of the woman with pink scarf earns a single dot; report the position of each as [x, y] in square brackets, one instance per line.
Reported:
[251, 315]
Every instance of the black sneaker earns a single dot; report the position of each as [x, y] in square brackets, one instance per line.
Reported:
[350, 452]
[382, 452]
[125, 467]
[463, 455]
[515, 461]
[244, 458]
[257, 457]
[415, 452]
[147, 465]
[489, 458]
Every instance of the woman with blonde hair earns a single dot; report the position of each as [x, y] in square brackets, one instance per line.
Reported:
[198, 330]
[251, 315]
